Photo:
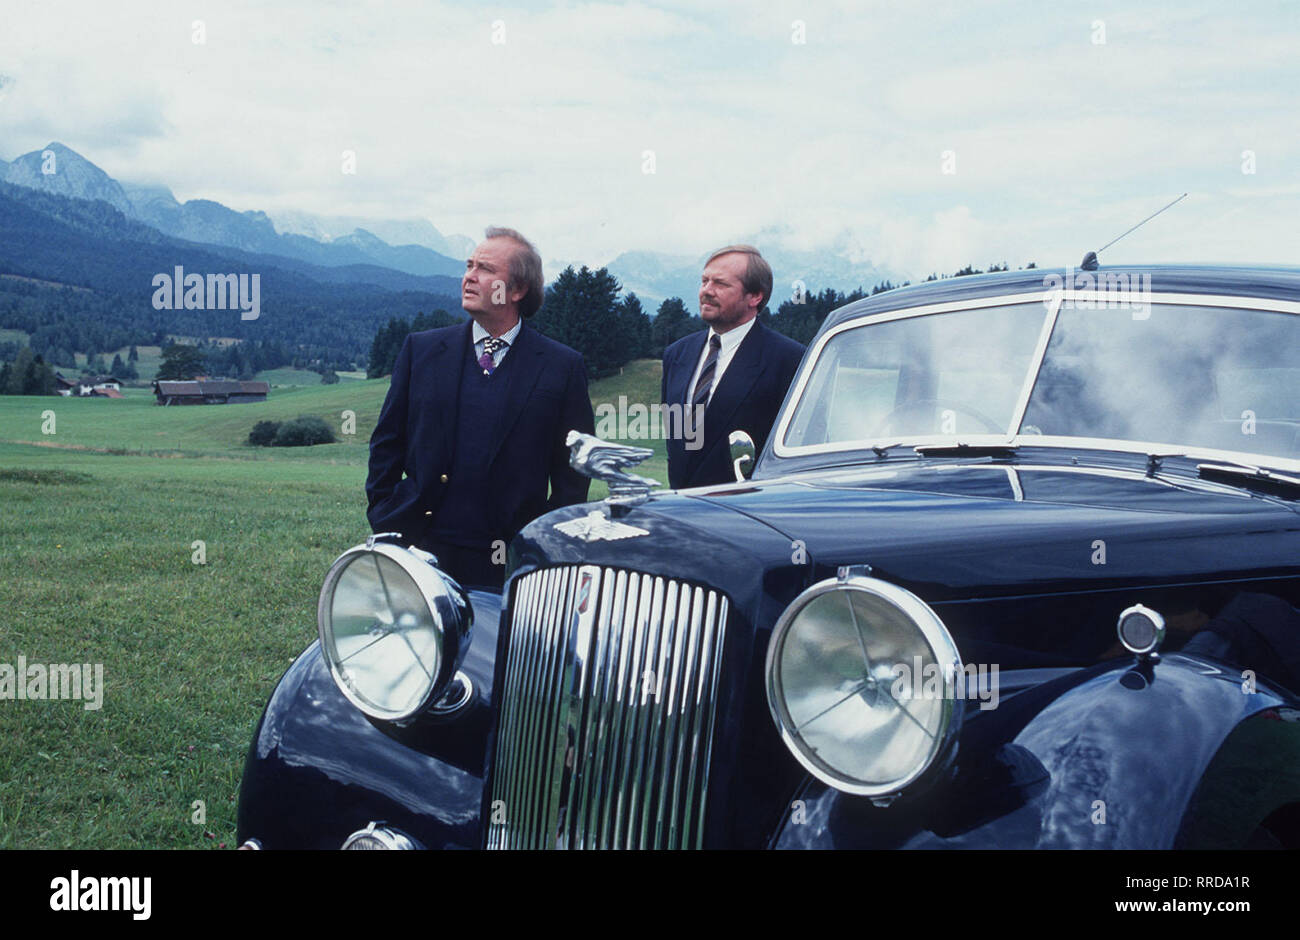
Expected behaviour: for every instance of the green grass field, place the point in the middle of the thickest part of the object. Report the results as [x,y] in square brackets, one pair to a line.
[97,564]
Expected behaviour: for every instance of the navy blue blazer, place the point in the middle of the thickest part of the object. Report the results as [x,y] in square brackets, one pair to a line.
[413,444]
[746,399]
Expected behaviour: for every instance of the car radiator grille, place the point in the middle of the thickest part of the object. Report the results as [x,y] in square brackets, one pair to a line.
[607,711]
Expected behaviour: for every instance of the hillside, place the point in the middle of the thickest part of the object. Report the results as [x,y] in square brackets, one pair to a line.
[74,243]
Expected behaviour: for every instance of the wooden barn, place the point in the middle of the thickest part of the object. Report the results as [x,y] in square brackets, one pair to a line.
[209,392]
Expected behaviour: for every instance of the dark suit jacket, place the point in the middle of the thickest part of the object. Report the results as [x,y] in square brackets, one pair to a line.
[747,399]
[546,397]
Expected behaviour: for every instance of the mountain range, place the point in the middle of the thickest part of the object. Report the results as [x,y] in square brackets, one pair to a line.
[62,171]
[412,246]
[652,276]
[80,275]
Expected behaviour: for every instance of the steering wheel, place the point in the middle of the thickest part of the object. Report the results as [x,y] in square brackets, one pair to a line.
[990,425]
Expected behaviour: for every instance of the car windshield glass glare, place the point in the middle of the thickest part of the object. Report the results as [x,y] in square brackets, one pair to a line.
[1178,376]
[1185,376]
[939,374]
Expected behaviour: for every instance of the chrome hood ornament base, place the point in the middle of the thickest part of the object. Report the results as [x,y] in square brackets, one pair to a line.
[601,460]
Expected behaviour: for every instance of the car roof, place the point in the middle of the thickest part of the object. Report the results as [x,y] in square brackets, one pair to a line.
[1275,283]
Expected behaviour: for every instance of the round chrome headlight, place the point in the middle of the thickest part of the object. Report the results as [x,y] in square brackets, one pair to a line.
[377,837]
[861,679]
[392,628]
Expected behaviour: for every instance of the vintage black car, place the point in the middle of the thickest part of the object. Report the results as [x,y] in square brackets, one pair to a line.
[1019,566]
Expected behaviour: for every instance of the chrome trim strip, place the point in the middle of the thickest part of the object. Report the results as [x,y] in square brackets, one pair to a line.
[643,746]
[1031,376]
[810,360]
[717,628]
[1117,298]
[686,715]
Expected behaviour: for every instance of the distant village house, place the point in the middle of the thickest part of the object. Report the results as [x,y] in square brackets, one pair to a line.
[102,386]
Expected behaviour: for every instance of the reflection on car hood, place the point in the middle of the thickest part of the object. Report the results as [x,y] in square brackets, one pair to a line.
[953,527]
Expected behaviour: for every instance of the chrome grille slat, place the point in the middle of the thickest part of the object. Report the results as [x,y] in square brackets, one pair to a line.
[593,712]
[668,712]
[607,711]
[527,673]
[702,732]
[527,716]
[596,783]
[638,594]
[645,720]
[686,714]
[556,704]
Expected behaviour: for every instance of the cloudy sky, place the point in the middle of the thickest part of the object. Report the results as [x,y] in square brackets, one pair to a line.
[918,135]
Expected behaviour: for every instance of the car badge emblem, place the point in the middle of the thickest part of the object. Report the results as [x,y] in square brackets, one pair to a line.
[595,527]
[584,593]
[601,460]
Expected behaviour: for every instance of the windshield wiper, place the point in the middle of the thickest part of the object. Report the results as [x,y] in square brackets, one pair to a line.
[966,450]
[1255,478]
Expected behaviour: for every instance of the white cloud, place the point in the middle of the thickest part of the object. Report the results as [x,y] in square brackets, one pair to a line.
[835,144]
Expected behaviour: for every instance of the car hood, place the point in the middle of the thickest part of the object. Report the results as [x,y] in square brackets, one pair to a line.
[965,529]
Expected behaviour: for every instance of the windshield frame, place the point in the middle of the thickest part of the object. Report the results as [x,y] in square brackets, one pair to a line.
[1052,302]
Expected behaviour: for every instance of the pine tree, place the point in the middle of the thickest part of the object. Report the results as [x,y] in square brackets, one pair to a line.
[582,311]
[671,323]
[636,327]
[16,380]
[181,362]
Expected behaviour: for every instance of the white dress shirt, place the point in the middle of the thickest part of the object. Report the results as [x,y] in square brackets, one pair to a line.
[731,341]
[480,335]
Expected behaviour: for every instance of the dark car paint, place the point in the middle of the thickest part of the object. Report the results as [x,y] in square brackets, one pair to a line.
[1007,567]
[1050,768]
[345,770]
[1003,560]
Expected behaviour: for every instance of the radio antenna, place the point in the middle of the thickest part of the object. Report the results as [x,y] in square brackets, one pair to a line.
[1090,259]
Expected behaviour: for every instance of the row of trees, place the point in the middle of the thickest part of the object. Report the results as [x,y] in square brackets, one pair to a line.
[584,311]
[388,341]
[28,374]
[236,360]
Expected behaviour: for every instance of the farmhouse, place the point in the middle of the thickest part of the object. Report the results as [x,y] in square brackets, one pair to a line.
[102,386]
[209,392]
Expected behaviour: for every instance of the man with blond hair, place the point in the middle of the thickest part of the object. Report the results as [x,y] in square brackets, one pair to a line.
[736,373]
[472,431]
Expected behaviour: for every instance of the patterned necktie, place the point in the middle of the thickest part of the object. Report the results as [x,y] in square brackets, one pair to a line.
[704,384]
[490,346]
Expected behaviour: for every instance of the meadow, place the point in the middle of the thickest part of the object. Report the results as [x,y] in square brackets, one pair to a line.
[104,523]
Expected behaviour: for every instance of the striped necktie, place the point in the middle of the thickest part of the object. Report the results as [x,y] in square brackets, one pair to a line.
[704,384]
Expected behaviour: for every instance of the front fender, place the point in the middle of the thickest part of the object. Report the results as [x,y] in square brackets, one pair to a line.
[1107,758]
[318,769]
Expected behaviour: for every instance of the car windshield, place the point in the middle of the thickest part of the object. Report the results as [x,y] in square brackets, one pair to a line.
[1173,375]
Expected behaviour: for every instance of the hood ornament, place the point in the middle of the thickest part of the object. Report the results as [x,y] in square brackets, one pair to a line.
[601,460]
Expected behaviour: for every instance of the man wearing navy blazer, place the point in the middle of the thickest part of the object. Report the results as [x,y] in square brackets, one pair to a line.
[473,428]
[737,370]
